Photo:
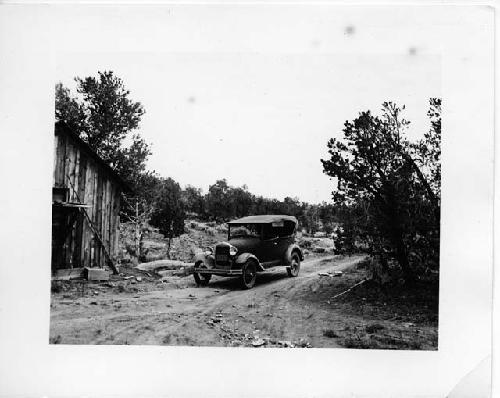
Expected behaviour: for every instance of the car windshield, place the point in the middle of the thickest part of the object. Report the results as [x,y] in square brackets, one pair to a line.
[245,230]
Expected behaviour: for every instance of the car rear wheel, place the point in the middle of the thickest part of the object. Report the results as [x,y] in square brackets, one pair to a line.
[294,268]
[201,279]
[249,274]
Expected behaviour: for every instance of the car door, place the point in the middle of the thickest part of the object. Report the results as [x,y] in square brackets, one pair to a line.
[272,245]
[286,237]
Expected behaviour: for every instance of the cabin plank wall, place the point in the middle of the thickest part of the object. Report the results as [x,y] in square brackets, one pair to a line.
[88,183]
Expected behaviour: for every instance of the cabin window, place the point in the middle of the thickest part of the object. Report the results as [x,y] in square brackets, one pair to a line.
[60,195]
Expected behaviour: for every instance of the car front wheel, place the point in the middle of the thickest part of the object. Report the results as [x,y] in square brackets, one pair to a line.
[294,268]
[249,274]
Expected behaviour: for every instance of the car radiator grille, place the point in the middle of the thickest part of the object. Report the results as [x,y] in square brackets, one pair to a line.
[222,256]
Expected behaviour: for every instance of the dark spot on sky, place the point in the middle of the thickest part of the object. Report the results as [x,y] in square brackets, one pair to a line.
[315,43]
[412,51]
[192,100]
[349,30]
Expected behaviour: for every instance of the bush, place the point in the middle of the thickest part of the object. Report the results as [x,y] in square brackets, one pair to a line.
[374,327]
[330,333]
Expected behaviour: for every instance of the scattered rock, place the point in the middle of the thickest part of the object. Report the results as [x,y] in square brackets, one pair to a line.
[258,342]
[93,303]
[304,343]
[138,278]
[285,343]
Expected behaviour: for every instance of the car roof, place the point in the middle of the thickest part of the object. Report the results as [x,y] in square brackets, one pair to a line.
[263,219]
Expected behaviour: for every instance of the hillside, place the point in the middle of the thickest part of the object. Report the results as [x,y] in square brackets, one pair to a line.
[198,236]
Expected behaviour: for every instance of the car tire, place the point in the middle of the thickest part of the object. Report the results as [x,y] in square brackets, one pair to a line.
[249,274]
[294,268]
[201,279]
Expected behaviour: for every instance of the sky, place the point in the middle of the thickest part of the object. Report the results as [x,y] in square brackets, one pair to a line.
[257,114]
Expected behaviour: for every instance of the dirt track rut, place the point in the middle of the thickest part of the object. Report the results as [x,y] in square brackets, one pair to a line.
[278,311]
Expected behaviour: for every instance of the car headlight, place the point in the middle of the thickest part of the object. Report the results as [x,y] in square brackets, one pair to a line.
[208,251]
[232,251]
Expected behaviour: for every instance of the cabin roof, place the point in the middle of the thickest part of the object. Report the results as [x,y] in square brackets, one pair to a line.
[62,128]
[263,219]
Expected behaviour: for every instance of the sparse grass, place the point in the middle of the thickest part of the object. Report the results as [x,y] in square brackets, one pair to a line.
[166,339]
[121,289]
[55,340]
[374,328]
[381,342]
[417,304]
[56,288]
[378,317]
[358,342]
[330,333]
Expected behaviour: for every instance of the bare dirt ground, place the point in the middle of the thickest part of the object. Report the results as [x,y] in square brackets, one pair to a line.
[278,312]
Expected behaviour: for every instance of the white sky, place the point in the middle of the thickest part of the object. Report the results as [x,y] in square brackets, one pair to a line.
[246,110]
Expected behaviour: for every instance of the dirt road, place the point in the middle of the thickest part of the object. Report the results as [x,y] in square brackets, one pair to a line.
[278,311]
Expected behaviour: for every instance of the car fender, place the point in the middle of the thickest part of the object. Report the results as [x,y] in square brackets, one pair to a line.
[292,248]
[206,259]
[244,257]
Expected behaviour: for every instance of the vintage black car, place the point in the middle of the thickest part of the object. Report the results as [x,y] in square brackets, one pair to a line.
[254,244]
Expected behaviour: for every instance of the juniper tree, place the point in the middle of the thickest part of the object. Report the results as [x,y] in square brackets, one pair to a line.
[395,182]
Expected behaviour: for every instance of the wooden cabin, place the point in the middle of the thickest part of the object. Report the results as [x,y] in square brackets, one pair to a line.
[85,205]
